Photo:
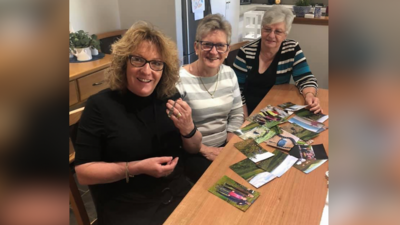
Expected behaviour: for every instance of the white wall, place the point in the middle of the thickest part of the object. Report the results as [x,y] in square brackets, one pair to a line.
[159,13]
[162,14]
[232,15]
[314,41]
[94,16]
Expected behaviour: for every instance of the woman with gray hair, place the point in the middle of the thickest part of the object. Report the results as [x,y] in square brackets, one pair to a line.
[273,59]
[212,91]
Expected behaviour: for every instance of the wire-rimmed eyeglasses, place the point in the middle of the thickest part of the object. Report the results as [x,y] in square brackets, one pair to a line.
[138,61]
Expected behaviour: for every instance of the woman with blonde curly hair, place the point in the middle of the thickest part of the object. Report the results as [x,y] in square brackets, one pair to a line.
[131,135]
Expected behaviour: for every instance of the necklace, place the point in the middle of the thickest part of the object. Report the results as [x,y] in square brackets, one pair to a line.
[216,85]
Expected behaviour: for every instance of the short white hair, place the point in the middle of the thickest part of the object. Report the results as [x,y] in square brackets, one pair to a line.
[277,14]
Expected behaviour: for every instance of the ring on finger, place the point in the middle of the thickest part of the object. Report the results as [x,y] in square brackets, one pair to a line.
[179,115]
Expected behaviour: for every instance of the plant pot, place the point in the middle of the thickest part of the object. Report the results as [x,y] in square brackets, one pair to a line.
[94,51]
[83,54]
[300,11]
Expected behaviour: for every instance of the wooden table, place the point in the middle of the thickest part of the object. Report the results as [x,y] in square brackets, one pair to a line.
[85,79]
[295,198]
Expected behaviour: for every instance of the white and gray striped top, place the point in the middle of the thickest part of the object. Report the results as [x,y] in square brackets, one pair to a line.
[214,117]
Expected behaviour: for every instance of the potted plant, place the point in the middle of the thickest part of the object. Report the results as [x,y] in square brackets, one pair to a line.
[302,7]
[79,44]
[94,44]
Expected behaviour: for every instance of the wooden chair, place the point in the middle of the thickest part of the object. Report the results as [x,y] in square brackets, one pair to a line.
[233,52]
[108,38]
[78,207]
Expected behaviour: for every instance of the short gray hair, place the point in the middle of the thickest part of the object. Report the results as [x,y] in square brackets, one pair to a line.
[277,14]
[211,23]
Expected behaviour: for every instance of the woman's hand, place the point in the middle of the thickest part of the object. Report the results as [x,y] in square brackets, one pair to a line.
[181,115]
[154,166]
[313,103]
[210,152]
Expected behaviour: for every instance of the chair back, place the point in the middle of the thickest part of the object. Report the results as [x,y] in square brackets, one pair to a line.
[234,49]
[108,38]
[77,205]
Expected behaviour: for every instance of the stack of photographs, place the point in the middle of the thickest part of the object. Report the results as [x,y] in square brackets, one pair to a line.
[305,113]
[298,131]
[308,124]
[259,133]
[258,174]
[252,150]
[283,140]
[269,116]
[291,107]
[234,193]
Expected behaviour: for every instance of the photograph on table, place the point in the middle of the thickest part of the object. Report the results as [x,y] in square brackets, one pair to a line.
[308,124]
[283,139]
[299,131]
[278,164]
[291,107]
[252,150]
[269,116]
[309,152]
[305,113]
[253,174]
[259,133]
[310,157]
[234,193]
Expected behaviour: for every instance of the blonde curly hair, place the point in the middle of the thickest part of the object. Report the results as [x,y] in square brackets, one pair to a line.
[130,41]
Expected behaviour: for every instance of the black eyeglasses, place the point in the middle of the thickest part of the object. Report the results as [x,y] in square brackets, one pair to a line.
[208,46]
[138,61]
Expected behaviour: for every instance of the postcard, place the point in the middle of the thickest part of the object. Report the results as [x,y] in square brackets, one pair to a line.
[269,116]
[298,131]
[253,174]
[259,133]
[252,150]
[310,157]
[288,106]
[278,164]
[283,140]
[234,193]
[305,113]
[310,125]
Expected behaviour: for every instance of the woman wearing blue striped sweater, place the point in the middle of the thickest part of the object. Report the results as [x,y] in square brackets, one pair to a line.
[271,60]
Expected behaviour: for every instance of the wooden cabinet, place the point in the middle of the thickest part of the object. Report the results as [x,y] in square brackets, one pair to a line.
[91,84]
[86,79]
[73,93]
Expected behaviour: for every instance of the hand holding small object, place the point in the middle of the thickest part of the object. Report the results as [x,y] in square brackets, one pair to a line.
[154,166]
[181,114]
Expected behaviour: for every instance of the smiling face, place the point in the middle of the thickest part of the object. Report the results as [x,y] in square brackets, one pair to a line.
[143,80]
[273,35]
[212,59]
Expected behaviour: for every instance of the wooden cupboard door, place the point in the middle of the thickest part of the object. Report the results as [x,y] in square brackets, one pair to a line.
[91,84]
[73,93]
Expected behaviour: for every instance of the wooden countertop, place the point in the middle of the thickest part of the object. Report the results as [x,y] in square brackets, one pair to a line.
[324,20]
[77,70]
[294,198]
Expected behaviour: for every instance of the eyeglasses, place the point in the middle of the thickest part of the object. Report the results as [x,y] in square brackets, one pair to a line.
[208,46]
[138,61]
[276,32]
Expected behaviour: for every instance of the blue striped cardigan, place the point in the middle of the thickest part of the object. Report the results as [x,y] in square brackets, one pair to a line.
[291,62]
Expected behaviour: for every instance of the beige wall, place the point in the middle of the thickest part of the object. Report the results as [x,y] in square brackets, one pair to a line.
[314,41]
[94,16]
